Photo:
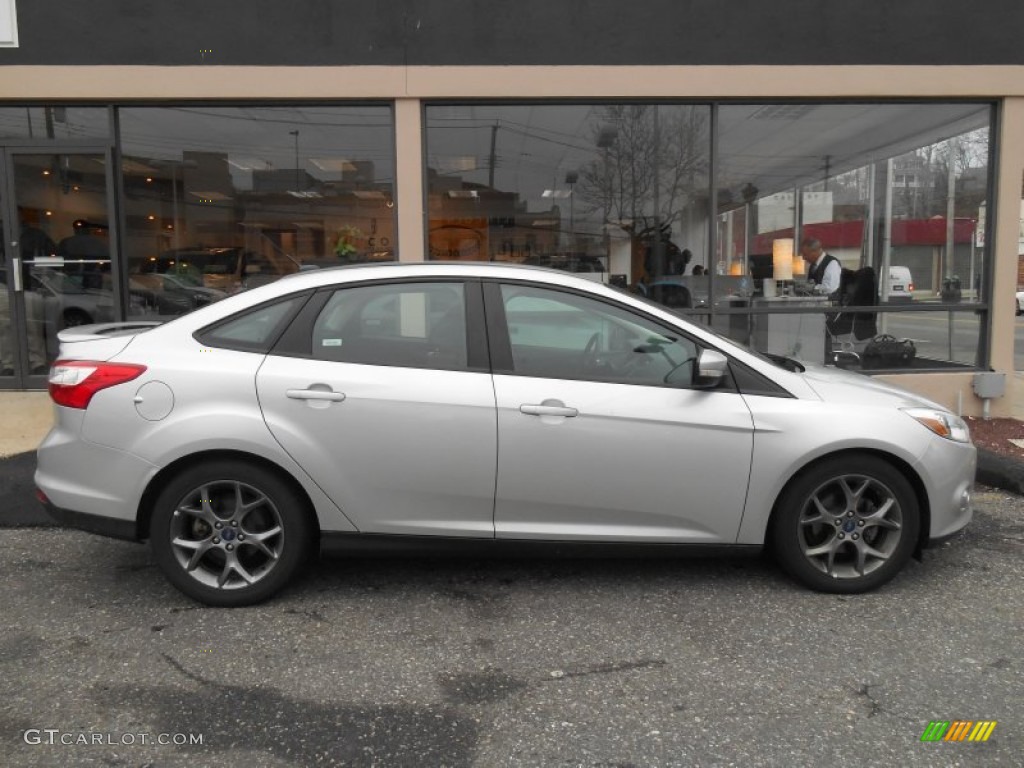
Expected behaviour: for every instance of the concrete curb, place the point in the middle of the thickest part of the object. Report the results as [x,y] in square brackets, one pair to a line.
[1000,472]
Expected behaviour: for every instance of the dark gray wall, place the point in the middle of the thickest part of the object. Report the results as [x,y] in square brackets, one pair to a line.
[453,32]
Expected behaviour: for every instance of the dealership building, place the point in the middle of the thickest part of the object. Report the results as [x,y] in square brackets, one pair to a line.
[157,157]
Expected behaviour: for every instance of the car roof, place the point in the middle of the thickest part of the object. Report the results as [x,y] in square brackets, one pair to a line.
[311,279]
[385,269]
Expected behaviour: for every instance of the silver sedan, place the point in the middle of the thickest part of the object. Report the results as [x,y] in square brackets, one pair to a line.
[481,406]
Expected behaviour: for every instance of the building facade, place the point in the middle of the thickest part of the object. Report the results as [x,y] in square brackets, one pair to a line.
[156,158]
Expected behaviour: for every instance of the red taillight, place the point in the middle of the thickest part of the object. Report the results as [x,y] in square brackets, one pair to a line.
[74,382]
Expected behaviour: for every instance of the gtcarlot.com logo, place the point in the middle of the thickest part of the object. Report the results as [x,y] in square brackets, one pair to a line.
[55,736]
[958,730]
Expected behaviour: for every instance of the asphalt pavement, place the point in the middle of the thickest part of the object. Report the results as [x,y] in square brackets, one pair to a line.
[414,662]
[385,662]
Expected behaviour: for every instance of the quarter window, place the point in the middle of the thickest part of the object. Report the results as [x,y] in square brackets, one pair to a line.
[255,330]
[411,325]
[560,335]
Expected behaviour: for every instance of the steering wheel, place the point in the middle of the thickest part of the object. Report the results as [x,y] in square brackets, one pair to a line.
[677,367]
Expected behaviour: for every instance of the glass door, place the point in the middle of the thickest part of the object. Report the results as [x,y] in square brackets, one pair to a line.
[58,232]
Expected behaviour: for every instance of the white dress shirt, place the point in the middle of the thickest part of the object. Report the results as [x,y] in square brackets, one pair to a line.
[830,280]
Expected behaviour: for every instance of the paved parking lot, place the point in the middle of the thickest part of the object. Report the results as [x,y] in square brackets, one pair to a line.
[506,663]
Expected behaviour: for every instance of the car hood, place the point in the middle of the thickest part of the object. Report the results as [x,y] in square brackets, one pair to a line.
[838,386]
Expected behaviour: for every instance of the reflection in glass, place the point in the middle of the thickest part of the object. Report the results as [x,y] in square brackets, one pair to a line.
[895,192]
[897,187]
[55,122]
[64,250]
[615,192]
[223,199]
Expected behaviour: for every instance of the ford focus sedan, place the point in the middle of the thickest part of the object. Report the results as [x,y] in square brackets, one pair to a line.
[481,406]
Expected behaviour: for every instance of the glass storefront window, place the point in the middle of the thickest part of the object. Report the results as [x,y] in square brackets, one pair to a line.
[218,199]
[894,194]
[897,187]
[48,123]
[616,192]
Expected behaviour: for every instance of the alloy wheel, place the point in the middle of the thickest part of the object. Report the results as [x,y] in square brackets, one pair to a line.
[850,526]
[227,534]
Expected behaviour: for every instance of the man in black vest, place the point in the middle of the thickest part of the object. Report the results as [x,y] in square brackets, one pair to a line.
[823,274]
[823,269]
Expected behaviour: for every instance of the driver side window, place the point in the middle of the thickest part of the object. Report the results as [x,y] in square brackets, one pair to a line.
[557,335]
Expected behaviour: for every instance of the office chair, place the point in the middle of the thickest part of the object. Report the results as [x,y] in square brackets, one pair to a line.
[849,331]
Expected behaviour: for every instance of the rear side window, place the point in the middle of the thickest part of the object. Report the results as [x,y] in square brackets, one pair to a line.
[411,325]
[255,329]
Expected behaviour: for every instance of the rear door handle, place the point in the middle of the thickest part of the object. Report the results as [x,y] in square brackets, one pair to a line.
[315,394]
[548,410]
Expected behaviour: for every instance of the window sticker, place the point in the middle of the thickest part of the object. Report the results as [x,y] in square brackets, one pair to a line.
[331,343]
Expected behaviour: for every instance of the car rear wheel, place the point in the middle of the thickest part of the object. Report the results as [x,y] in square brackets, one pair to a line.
[75,317]
[228,533]
[847,525]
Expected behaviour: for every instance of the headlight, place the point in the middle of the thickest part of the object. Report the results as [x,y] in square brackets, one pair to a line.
[942,423]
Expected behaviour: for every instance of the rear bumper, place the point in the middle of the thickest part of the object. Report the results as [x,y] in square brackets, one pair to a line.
[93,480]
[104,526]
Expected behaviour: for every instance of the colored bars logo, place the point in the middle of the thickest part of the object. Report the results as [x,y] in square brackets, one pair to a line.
[958,730]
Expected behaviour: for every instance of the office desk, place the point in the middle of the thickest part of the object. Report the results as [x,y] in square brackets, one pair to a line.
[801,336]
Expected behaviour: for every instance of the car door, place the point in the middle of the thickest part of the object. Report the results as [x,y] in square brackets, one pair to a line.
[601,435]
[381,395]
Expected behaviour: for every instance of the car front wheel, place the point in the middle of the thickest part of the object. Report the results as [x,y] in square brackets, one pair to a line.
[847,525]
[229,534]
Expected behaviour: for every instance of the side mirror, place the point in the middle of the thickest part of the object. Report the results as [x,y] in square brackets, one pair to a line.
[710,369]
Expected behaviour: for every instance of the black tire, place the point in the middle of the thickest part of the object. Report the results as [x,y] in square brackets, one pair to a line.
[832,538]
[73,318]
[247,504]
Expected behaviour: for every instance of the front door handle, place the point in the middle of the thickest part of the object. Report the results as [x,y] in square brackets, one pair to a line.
[548,409]
[315,394]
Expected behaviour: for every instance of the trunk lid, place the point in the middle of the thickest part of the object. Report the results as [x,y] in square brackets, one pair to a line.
[100,341]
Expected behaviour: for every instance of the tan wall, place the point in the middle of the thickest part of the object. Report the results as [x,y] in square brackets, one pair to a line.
[1006,242]
[696,82]
[955,391]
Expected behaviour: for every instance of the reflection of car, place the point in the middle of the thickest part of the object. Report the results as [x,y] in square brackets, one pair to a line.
[225,269]
[343,404]
[171,294]
[901,285]
[52,301]
[67,303]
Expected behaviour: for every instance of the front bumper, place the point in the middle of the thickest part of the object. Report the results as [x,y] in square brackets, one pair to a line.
[947,469]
